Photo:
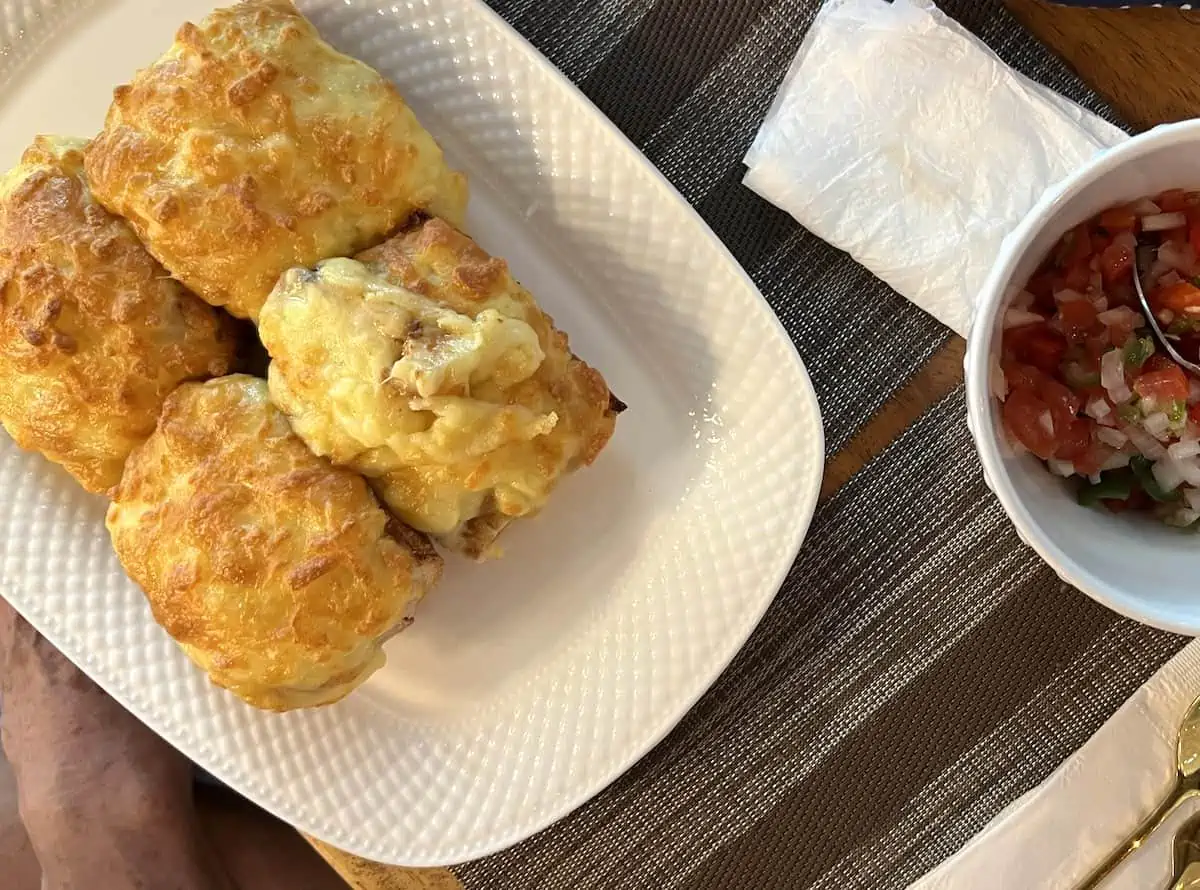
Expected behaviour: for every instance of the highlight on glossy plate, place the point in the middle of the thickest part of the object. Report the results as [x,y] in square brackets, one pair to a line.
[251,181]
[1084,385]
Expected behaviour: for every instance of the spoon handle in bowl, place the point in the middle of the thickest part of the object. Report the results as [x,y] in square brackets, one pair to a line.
[1190,879]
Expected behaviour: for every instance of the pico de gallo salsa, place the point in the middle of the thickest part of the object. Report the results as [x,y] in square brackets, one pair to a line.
[1080,379]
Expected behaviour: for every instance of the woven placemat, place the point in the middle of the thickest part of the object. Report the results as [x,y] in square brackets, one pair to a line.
[920,667]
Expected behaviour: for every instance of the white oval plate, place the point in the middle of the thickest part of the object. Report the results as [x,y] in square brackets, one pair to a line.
[529,684]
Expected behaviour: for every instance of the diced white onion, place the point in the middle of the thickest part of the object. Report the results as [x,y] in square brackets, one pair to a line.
[1183,449]
[1192,495]
[1157,423]
[1190,468]
[1182,518]
[1128,240]
[1016,318]
[1067,295]
[1115,461]
[1110,436]
[997,380]
[1100,303]
[1150,447]
[1120,315]
[1178,256]
[1158,222]
[1193,390]
[1168,474]
[1023,300]
[1112,376]
[1095,283]
[1047,422]
[1170,278]
[1098,409]
[1166,316]
[1144,207]
[1062,468]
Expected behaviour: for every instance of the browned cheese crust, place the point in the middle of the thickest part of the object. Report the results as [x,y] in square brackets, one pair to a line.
[428,368]
[277,573]
[93,332]
[253,146]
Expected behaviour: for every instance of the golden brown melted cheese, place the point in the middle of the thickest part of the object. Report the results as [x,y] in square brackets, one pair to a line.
[253,146]
[426,367]
[93,332]
[277,573]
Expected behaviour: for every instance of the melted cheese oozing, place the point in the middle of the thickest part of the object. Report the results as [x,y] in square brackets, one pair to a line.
[409,391]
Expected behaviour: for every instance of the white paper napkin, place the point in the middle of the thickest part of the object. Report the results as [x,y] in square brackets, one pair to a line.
[902,139]
[1057,833]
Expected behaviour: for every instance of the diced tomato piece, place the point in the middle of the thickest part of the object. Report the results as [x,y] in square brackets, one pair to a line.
[1194,236]
[1062,402]
[1139,500]
[1036,344]
[1118,219]
[1172,201]
[1163,387]
[1093,458]
[1077,317]
[1121,293]
[1098,343]
[1115,506]
[1194,413]
[1119,333]
[1077,277]
[1024,415]
[1075,248]
[1178,297]
[1042,288]
[1022,376]
[1116,261]
[1074,440]
[1157,362]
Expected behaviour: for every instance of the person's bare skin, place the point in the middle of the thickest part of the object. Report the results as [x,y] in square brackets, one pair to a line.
[109,806]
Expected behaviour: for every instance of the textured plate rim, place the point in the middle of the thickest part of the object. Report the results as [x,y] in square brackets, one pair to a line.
[804,393]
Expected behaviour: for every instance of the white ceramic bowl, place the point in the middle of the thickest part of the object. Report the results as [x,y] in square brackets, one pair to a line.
[1132,564]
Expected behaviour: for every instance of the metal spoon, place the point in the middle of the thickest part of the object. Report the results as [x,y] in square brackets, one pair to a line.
[1185,854]
[1186,785]
[1159,335]
[1190,879]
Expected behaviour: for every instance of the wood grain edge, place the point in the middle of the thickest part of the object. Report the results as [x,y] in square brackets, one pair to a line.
[1140,60]
[936,379]
[362,874]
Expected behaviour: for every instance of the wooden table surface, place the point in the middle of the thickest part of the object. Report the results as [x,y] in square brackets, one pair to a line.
[1145,62]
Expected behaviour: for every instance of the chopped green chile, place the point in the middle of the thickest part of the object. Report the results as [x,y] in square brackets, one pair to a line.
[1137,351]
[1184,325]
[1129,412]
[1075,374]
[1114,485]
[1145,477]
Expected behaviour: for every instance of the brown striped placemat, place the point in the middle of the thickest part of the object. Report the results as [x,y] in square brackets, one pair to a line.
[920,667]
